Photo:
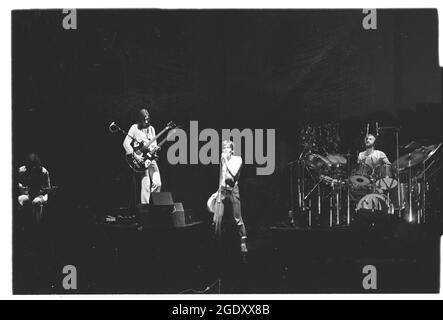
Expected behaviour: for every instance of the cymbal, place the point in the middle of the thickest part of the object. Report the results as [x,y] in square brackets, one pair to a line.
[416,157]
[418,143]
[411,145]
[437,147]
[337,159]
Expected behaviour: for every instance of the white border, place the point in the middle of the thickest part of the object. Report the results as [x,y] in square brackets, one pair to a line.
[5,124]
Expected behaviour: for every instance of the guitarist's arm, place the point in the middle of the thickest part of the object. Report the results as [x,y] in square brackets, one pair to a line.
[23,188]
[46,181]
[127,142]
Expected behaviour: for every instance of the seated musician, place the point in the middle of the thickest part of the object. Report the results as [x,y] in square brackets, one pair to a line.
[371,156]
[33,183]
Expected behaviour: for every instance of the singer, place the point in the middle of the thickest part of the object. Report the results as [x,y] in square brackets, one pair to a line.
[371,156]
[229,192]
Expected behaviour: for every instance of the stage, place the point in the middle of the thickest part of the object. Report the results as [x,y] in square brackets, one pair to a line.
[282,259]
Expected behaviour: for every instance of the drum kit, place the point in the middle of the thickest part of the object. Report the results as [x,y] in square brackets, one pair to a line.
[334,188]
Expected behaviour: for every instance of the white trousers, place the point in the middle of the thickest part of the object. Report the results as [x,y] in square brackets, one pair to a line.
[40,200]
[37,205]
[151,182]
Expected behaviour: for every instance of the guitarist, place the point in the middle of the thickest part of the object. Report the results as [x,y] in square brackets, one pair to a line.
[33,180]
[143,131]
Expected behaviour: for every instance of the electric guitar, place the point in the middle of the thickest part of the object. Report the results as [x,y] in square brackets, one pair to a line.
[144,149]
[148,154]
[38,192]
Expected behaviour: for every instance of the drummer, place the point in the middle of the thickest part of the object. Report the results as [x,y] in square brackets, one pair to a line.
[371,156]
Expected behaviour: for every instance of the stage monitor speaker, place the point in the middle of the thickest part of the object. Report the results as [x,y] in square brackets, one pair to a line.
[162,199]
[178,215]
[159,211]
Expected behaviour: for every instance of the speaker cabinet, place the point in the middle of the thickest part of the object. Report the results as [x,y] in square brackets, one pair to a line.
[162,199]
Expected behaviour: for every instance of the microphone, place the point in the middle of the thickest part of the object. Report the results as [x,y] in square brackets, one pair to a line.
[113,127]
[367,130]
[377,129]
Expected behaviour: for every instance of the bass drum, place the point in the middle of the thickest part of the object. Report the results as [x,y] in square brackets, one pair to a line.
[358,192]
[375,203]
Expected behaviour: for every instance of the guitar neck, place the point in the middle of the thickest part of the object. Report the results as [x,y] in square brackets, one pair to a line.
[145,147]
[167,137]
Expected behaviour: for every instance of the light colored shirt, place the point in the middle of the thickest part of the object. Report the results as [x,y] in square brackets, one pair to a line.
[373,159]
[143,135]
[226,175]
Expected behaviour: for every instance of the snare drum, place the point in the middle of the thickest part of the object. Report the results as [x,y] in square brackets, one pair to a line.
[361,176]
[386,179]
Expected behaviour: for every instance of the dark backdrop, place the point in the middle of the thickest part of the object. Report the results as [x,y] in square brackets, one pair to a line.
[227,69]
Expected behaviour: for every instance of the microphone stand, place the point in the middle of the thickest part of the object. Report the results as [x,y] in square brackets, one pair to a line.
[115,128]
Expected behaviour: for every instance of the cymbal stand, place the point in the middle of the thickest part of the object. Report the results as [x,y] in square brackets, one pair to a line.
[319,202]
[300,169]
[410,189]
[318,187]
[425,189]
[348,191]
[397,146]
[301,187]
[313,189]
[291,191]
[337,204]
[331,197]
[305,196]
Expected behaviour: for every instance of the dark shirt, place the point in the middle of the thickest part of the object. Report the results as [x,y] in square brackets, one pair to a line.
[33,182]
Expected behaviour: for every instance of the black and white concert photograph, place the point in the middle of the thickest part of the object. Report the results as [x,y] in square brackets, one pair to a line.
[226,151]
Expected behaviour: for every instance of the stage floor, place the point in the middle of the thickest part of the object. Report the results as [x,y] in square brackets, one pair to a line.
[282,259]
